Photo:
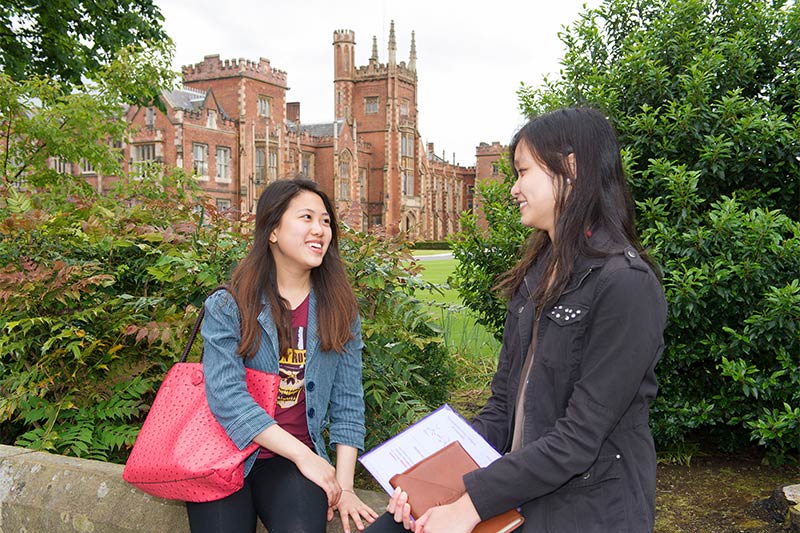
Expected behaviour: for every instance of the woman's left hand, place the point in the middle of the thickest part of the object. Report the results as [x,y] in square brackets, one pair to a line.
[459,516]
[351,506]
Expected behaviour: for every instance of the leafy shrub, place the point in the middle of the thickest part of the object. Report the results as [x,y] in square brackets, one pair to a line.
[733,342]
[98,292]
[407,370]
[95,300]
[704,97]
[484,255]
[431,245]
[709,84]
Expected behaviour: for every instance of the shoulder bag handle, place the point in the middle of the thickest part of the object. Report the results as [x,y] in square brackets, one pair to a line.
[198,322]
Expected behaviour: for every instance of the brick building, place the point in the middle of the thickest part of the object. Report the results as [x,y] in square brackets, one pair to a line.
[487,168]
[230,125]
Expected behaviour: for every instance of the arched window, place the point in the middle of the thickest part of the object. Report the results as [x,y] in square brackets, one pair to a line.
[344,175]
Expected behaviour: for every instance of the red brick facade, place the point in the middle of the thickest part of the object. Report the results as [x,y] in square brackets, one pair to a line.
[487,168]
[231,127]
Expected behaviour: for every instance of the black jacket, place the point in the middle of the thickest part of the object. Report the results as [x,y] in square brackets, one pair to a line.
[587,462]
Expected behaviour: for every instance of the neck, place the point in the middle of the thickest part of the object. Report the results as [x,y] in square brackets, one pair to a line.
[294,286]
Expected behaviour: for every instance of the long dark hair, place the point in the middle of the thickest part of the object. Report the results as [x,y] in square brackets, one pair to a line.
[255,277]
[580,150]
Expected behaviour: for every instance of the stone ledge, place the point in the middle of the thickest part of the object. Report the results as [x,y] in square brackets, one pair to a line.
[45,492]
[783,506]
[792,495]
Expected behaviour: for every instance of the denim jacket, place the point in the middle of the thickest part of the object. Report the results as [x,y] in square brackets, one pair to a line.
[334,395]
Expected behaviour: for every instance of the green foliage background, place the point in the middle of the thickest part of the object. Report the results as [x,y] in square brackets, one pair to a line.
[67,41]
[98,292]
[706,99]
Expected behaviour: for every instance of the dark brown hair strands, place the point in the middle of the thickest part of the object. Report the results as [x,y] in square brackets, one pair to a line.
[255,278]
[580,145]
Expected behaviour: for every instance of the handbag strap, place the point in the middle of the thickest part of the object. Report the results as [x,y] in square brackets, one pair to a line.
[197,324]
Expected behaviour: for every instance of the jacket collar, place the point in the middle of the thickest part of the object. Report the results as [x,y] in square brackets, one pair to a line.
[600,239]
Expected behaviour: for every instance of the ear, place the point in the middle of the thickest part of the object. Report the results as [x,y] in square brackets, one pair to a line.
[273,237]
[573,169]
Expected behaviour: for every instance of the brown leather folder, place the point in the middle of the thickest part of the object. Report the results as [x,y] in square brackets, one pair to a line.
[437,480]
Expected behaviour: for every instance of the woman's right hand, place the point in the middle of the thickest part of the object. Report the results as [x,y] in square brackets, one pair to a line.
[312,466]
[400,508]
[321,473]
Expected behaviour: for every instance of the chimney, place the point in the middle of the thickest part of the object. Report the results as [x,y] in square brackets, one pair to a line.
[293,111]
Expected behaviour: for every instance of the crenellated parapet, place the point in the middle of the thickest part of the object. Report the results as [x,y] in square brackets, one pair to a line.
[212,67]
[489,149]
[344,36]
[381,70]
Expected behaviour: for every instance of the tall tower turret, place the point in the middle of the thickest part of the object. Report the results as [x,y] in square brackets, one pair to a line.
[344,43]
[374,57]
[412,59]
[392,45]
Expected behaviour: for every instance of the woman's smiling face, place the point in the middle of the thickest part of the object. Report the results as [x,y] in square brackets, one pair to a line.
[534,191]
[303,235]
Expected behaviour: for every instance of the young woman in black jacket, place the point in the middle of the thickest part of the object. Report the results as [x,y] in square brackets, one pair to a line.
[570,399]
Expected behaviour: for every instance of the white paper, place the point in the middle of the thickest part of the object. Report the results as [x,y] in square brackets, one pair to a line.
[420,440]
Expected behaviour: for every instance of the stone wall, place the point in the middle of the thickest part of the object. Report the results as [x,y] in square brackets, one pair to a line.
[41,492]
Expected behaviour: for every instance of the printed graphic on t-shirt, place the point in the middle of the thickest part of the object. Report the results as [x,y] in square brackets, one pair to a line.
[293,370]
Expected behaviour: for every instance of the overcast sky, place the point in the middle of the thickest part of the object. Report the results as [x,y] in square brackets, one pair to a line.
[471,56]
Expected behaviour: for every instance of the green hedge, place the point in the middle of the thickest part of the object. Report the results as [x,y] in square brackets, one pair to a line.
[431,245]
[97,294]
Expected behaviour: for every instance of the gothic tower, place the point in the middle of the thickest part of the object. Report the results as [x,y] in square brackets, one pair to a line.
[344,43]
[379,101]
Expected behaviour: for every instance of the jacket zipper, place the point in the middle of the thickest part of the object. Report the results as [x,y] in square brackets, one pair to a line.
[534,342]
[580,281]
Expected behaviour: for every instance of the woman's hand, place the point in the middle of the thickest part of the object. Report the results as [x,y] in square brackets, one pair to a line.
[459,516]
[351,506]
[399,507]
[312,466]
[321,473]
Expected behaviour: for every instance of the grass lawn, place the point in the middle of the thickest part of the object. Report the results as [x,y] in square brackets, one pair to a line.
[420,253]
[474,349]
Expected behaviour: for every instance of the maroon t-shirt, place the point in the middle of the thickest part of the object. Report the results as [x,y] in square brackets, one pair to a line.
[290,413]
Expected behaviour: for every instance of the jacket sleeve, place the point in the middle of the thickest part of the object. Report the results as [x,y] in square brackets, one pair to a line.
[347,395]
[226,388]
[625,339]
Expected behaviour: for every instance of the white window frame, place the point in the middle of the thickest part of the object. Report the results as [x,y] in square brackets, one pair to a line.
[264,106]
[260,164]
[223,164]
[150,117]
[272,164]
[307,164]
[344,179]
[371,104]
[200,160]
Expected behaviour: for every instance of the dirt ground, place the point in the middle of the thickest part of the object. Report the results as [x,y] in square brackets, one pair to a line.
[720,494]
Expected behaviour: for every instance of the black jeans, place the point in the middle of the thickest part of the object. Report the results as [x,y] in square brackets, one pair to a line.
[274,491]
[385,524]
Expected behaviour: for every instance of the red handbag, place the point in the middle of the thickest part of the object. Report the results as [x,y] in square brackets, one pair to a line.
[182,452]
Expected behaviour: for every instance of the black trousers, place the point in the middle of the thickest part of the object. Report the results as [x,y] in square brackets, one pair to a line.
[274,491]
[385,524]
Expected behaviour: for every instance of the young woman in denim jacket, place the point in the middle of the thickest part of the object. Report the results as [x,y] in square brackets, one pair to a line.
[296,315]
[584,330]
